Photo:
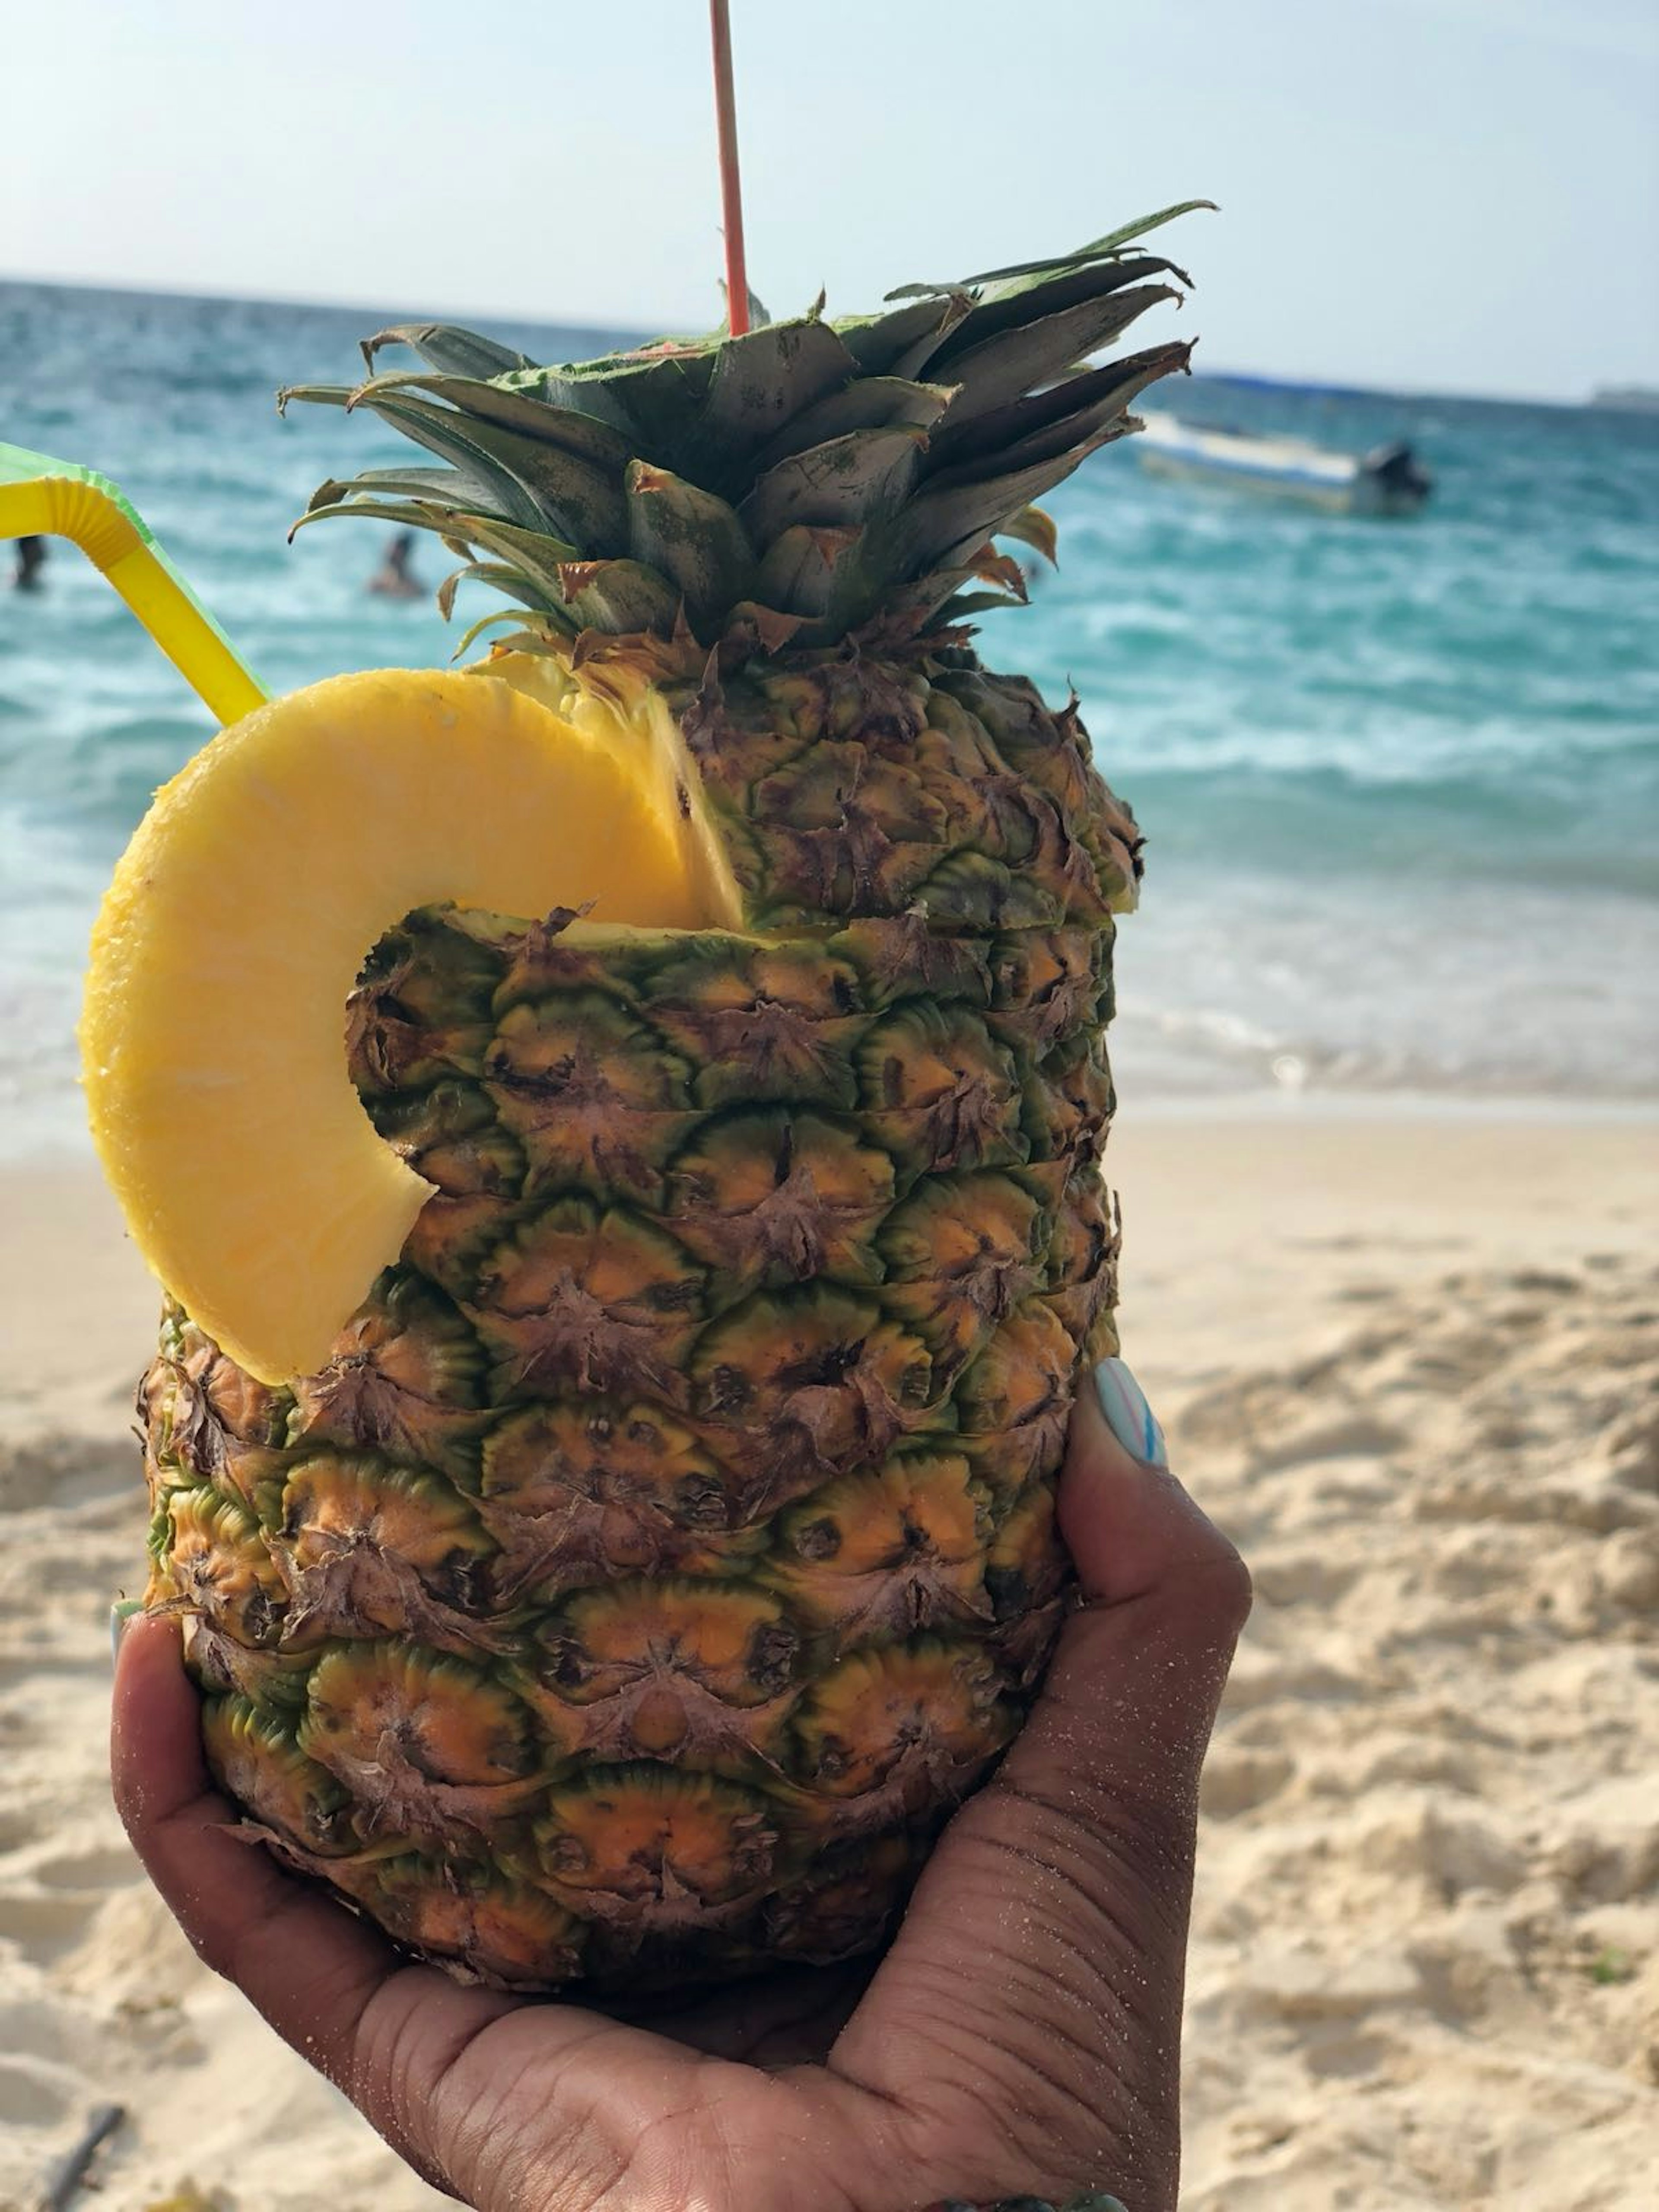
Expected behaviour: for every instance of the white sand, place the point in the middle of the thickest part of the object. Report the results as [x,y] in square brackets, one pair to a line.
[1410,1366]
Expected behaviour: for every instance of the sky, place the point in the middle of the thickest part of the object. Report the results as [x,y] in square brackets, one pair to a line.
[1445,195]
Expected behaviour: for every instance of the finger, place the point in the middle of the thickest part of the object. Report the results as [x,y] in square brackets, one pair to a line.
[1039,1969]
[1157,1576]
[304,1960]
[330,1985]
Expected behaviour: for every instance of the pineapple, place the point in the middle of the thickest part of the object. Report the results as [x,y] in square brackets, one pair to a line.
[610,1498]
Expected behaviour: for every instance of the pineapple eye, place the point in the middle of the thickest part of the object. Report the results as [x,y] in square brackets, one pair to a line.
[818,1540]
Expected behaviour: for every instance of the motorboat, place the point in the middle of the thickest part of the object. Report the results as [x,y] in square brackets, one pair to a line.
[1388,480]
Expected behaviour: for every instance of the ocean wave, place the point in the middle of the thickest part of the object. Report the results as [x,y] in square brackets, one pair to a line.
[1399,782]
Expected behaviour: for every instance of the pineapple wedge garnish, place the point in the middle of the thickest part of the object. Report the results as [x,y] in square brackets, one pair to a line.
[213,1036]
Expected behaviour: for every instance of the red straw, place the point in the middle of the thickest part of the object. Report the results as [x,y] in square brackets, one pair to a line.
[726,113]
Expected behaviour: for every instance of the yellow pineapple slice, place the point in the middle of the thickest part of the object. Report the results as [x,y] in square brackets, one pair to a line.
[213,1036]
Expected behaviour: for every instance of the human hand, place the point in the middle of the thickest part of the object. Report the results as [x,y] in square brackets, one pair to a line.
[1021,2036]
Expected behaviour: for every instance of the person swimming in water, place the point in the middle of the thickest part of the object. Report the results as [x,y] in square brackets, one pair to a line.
[392,579]
[31,559]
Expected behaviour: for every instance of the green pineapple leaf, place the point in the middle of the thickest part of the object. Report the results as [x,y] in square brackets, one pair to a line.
[1032,526]
[799,573]
[513,410]
[502,578]
[846,480]
[448,523]
[1069,413]
[1026,304]
[761,382]
[690,536]
[444,485]
[619,595]
[881,342]
[1000,368]
[872,403]
[450,350]
[1098,249]
[549,487]
[493,621]
[654,397]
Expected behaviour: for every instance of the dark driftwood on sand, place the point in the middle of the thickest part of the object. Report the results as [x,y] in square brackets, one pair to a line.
[63,2184]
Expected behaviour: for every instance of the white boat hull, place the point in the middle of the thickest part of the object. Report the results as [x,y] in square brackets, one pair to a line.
[1281,468]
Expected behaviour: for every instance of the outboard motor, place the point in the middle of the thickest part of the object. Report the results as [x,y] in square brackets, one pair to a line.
[1398,475]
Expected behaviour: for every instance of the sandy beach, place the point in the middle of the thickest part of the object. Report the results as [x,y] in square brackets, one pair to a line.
[1409,1363]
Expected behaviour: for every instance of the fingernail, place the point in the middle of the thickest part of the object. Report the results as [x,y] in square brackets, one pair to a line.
[119,1614]
[1131,1420]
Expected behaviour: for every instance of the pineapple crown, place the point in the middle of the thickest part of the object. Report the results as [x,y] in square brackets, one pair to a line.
[807,482]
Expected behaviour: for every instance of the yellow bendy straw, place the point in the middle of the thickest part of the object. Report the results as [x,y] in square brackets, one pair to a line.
[42,498]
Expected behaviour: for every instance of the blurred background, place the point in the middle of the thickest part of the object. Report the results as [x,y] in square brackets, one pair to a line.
[1397,774]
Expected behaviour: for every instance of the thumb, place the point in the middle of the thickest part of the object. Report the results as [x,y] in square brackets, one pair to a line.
[1140,1669]
[1058,2021]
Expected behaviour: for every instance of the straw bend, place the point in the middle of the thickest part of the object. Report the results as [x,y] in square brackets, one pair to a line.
[43,498]
[81,508]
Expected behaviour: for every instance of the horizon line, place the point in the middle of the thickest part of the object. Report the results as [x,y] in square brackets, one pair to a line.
[1276,378]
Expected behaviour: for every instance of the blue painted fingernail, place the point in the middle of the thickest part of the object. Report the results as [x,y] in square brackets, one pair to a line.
[119,1614]
[1132,1420]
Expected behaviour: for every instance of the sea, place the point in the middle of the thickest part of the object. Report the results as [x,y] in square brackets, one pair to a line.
[1398,779]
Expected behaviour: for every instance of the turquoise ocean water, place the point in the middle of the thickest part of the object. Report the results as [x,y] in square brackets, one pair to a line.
[1400,781]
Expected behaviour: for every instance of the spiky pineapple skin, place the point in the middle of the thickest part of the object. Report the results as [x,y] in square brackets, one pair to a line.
[669,1546]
